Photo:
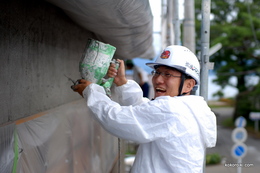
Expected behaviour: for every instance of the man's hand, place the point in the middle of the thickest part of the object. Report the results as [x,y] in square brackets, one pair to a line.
[81,86]
[117,74]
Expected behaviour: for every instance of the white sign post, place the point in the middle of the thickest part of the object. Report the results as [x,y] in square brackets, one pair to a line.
[239,151]
[239,135]
[255,116]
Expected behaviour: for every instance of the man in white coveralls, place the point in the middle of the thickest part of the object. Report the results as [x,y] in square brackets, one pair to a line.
[174,129]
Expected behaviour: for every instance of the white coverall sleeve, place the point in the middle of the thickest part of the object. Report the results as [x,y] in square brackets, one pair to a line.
[137,123]
[130,94]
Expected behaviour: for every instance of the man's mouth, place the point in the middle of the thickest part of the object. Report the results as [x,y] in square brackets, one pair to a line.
[160,90]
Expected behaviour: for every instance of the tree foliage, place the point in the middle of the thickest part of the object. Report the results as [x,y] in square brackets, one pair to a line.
[236,25]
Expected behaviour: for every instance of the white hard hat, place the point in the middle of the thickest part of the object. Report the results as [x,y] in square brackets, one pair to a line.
[180,58]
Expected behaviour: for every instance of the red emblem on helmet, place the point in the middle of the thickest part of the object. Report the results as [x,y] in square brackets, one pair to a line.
[165,54]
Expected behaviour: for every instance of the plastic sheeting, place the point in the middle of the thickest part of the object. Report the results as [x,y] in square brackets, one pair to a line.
[125,24]
[65,139]
[6,148]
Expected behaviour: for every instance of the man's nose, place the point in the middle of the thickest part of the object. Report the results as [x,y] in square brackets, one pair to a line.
[159,79]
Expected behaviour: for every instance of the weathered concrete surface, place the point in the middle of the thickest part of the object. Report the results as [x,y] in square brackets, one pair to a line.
[38,45]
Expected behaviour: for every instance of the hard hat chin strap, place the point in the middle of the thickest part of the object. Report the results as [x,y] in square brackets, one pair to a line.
[183,78]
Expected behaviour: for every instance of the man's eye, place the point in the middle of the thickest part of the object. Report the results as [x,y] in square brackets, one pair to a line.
[167,75]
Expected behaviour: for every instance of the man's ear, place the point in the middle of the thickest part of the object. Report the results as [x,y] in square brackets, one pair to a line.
[188,85]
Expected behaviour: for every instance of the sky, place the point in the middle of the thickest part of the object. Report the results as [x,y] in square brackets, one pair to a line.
[212,88]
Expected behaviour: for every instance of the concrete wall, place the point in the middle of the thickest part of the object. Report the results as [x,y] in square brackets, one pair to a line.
[38,45]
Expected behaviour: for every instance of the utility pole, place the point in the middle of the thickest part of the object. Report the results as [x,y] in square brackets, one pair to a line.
[204,54]
[189,26]
[204,58]
[164,28]
[170,23]
[170,31]
[176,22]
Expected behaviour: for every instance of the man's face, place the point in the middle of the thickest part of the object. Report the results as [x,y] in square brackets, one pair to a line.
[166,86]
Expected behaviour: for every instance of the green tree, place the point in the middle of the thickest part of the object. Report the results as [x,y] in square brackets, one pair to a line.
[236,25]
